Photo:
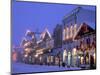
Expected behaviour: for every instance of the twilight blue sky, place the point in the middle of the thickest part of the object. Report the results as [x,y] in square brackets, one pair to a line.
[38,16]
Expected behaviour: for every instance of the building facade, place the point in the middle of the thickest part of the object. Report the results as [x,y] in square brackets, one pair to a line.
[72,44]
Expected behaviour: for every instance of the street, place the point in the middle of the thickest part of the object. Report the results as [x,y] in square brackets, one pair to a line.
[24,68]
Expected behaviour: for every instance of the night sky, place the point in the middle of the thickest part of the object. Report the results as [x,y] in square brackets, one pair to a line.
[38,16]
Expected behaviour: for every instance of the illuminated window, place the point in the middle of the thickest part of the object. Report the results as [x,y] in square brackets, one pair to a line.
[64,55]
[67,32]
[71,31]
[75,29]
[74,51]
[64,34]
[28,49]
[51,58]
[82,60]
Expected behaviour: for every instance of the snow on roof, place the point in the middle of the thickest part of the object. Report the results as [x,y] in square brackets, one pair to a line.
[44,33]
[27,32]
[30,33]
[23,41]
[79,28]
[48,33]
[77,31]
[39,41]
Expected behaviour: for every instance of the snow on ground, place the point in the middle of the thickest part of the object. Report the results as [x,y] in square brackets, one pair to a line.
[24,68]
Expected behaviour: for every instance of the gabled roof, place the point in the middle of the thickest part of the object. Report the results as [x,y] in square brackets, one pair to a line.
[83,30]
[30,33]
[39,41]
[27,32]
[79,15]
[23,41]
[43,34]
